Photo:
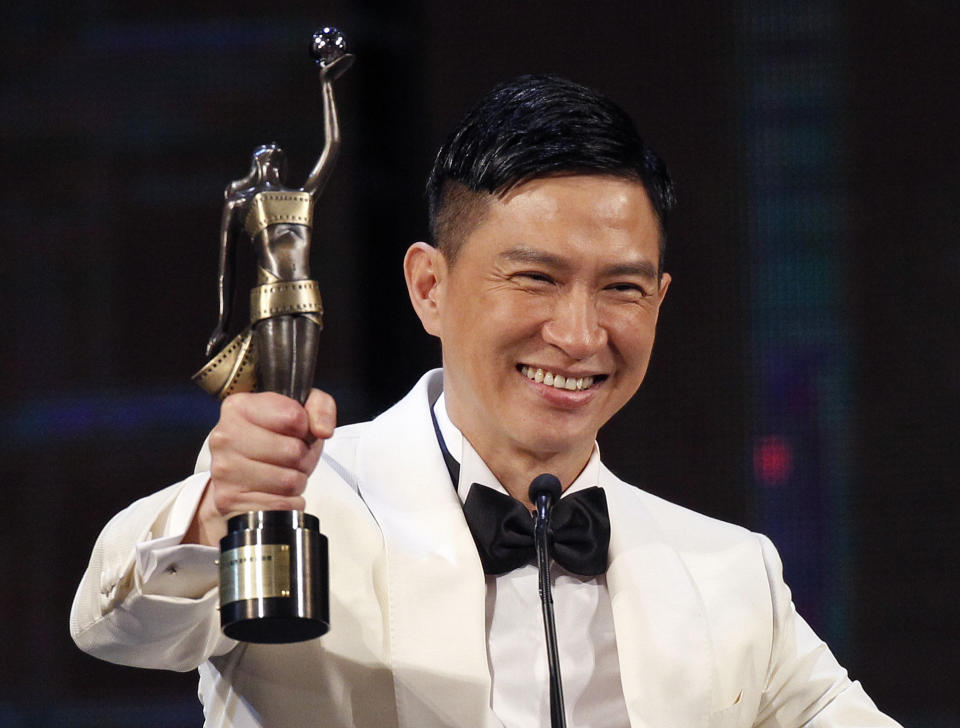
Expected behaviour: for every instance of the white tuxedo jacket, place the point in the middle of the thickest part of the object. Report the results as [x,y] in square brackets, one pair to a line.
[707,635]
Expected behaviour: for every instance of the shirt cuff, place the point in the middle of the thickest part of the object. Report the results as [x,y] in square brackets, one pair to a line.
[167,567]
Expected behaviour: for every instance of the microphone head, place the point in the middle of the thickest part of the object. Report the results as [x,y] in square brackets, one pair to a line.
[547,484]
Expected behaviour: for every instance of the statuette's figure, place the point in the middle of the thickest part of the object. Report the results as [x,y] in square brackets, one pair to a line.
[278,351]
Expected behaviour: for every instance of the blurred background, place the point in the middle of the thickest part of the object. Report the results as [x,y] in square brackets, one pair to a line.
[806,381]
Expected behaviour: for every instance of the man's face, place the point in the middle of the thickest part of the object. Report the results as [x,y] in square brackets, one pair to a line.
[559,280]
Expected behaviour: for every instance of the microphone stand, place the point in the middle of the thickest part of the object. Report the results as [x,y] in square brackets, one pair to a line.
[544,490]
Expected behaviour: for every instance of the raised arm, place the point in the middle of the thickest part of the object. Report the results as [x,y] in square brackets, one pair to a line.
[329,50]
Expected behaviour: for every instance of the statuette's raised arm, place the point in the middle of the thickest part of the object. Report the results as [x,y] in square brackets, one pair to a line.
[329,49]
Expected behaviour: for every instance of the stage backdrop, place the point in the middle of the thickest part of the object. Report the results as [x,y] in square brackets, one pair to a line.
[806,381]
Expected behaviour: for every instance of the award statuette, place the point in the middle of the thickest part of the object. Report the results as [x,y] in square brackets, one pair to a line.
[273,564]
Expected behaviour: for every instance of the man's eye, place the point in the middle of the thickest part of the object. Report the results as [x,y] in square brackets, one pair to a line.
[628,288]
[535,276]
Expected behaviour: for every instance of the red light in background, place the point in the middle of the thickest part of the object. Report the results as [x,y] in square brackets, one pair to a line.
[772,460]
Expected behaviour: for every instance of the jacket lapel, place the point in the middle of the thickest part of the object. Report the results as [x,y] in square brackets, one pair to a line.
[663,641]
[435,592]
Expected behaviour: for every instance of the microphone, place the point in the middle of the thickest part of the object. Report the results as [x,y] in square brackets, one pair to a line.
[544,492]
[545,489]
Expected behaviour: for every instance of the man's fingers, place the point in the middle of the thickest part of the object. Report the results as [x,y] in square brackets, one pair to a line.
[322,413]
[259,445]
[268,410]
[264,448]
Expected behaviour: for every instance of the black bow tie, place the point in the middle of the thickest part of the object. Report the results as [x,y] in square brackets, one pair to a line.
[503,530]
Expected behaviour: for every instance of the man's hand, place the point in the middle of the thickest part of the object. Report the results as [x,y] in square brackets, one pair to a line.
[262,451]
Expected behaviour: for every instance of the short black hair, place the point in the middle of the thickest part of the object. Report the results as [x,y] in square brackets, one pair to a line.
[537,126]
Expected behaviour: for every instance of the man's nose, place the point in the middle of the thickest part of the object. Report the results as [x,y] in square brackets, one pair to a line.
[574,325]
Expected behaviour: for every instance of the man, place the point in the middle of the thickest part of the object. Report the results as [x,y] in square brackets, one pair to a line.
[544,288]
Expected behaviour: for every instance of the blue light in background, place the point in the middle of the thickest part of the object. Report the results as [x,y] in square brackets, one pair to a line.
[76,416]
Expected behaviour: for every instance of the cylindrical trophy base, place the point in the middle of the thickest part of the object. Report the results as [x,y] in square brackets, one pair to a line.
[273,578]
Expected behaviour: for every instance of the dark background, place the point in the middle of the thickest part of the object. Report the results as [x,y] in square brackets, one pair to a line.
[806,381]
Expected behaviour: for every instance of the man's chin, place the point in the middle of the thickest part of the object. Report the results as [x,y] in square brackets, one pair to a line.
[549,441]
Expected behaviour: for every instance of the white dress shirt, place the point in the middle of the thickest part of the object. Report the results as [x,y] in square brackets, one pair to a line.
[516,645]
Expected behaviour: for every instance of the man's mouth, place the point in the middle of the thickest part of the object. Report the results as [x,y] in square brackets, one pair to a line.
[558,381]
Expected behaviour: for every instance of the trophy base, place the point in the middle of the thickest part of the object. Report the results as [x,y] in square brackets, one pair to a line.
[268,621]
[274,578]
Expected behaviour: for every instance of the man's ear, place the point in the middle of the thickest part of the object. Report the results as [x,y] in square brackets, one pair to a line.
[425,270]
[665,279]
[662,291]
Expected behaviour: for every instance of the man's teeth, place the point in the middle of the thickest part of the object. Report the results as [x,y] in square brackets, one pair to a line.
[556,380]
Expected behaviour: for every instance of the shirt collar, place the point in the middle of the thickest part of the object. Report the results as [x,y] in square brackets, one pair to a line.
[474,470]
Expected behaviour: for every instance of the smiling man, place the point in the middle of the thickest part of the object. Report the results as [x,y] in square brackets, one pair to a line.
[543,283]
[547,316]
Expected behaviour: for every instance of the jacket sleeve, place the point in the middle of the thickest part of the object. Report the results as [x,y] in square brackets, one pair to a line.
[805,686]
[146,601]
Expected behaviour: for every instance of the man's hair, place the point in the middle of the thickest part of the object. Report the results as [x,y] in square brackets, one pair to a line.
[536,126]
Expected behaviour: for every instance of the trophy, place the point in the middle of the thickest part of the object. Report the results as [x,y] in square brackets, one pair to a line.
[273,564]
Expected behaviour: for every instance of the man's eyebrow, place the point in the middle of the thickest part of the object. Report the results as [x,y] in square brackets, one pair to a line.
[526,254]
[642,268]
